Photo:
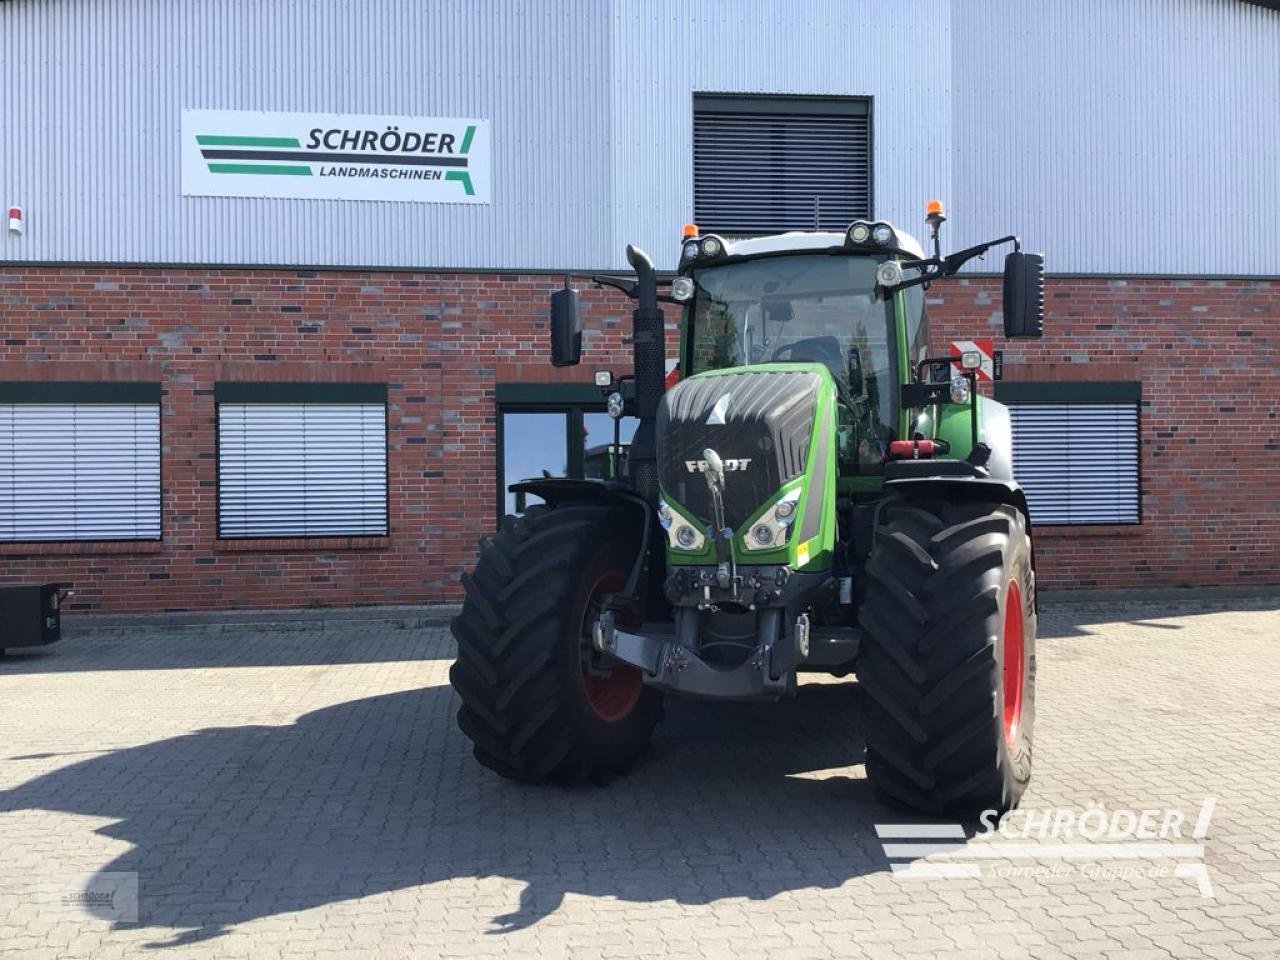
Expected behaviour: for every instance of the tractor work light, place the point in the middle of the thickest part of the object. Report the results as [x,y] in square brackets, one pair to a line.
[682,289]
[859,233]
[604,378]
[889,274]
[712,247]
[615,405]
[882,234]
[971,360]
[691,250]
[960,390]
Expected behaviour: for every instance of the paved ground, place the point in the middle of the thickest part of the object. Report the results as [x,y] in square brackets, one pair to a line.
[305,794]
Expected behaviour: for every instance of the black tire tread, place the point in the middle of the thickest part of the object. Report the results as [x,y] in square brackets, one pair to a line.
[511,674]
[928,655]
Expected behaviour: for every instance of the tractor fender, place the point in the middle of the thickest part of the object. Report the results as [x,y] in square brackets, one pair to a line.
[568,490]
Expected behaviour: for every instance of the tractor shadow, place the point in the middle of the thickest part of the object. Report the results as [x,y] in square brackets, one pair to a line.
[226,825]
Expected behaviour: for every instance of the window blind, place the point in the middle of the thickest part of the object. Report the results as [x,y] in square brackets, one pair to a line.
[761,163]
[302,469]
[79,471]
[1077,462]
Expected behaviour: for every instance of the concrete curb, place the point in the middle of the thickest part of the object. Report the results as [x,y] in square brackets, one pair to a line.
[279,621]
[1164,594]
[418,617]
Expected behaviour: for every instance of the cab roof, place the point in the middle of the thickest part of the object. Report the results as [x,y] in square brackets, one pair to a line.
[800,240]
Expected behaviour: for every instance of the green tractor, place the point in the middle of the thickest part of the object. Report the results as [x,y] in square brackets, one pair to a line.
[816,493]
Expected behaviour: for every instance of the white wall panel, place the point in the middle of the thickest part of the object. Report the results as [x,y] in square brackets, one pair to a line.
[1121,136]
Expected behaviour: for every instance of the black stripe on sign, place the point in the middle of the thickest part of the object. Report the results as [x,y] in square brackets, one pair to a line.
[403,160]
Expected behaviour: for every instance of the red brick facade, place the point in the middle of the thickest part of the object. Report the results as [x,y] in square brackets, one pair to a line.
[1204,350]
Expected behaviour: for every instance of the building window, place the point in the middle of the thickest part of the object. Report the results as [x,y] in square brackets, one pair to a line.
[558,430]
[79,461]
[302,459]
[768,164]
[1075,450]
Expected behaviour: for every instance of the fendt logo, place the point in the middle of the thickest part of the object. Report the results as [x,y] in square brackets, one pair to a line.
[730,466]
[335,156]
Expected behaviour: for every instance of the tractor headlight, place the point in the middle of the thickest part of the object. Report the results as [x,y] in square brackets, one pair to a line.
[859,233]
[882,234]
[682,288]
[770,530]
[615,405]
[712,247]
[691,250]
[959,389]
[681,535]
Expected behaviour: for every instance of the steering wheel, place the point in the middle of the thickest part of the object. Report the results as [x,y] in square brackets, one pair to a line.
[824,350]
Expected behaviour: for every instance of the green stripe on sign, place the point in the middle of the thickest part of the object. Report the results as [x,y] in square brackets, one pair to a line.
[247,141]
[466,139]
[267,168]
[464,179]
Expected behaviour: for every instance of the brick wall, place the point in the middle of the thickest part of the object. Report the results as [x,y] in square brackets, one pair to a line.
[442,340]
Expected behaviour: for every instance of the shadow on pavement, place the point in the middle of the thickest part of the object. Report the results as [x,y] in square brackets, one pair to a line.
[229,824]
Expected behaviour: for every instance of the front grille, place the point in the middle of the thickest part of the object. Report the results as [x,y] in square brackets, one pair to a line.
[768,421]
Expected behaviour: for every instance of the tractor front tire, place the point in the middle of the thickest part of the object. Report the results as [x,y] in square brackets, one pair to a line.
[537,703]
[947,660]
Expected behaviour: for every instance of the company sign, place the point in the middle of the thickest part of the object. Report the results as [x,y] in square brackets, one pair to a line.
[323,156]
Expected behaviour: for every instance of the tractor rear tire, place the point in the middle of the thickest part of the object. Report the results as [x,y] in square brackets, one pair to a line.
[537,703]
[947,660]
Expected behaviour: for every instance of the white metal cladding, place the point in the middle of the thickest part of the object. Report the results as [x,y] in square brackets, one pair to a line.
[302,469]
[1120,136]
[1077,462]
[79,471]
[769,172]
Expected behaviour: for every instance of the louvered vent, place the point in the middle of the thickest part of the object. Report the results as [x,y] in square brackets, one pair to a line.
[767,164]
[1077,462]
[302,469]
[79,471]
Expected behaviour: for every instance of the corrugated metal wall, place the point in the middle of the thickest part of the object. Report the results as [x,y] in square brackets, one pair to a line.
[1122,136]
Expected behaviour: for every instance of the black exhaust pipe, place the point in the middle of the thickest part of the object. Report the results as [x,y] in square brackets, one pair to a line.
[648,342]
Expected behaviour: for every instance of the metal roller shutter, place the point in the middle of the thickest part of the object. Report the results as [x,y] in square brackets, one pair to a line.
[79,471]
[1077,462]
[302,469]
[759,164]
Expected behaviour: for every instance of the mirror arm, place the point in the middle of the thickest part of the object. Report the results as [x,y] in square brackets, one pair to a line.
[952,262]
[618,283]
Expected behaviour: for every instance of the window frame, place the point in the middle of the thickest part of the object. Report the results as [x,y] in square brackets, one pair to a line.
[779,104]
[572,399]
[88,392]
[1083,392]
[298,392]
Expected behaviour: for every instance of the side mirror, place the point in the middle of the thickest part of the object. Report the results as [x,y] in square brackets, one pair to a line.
[856,380]
[566,329]
[1024,294]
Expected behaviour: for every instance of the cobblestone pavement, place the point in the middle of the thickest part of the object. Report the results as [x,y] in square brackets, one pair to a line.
[306,794]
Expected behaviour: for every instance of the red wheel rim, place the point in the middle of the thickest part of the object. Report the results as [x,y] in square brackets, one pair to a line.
[612,696]
[1012,642]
